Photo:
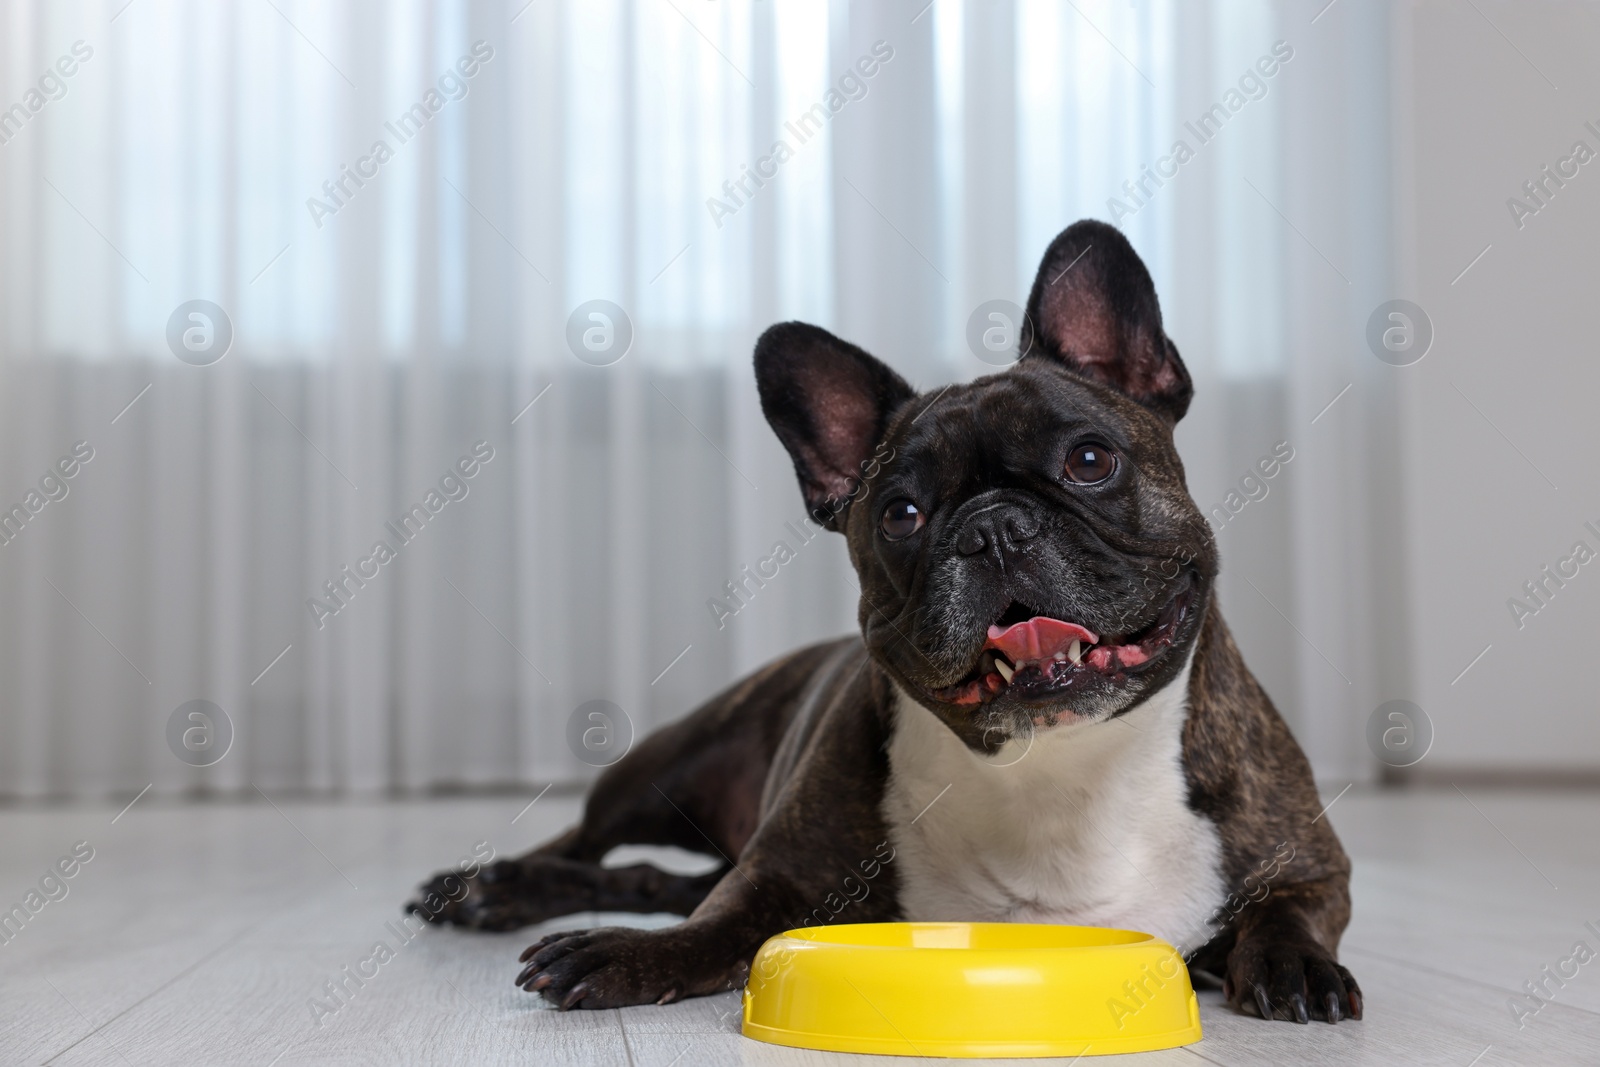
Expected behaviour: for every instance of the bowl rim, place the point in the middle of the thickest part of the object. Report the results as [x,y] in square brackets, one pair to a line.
[1117,938]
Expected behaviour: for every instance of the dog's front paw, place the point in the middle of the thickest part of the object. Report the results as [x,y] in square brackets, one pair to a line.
[1296,980]
[615,966]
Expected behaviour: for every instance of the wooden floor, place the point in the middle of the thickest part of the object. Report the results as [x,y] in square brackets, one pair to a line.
[200,935]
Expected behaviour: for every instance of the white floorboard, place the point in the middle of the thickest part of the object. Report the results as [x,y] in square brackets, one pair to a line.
[199,933]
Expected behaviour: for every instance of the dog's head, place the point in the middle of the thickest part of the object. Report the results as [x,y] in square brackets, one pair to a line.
[1027,549]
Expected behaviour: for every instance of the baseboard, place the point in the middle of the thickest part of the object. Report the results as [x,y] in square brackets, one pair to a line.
[1558,778]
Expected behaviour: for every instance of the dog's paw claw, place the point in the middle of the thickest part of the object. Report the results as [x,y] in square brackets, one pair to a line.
[1293,980]
[614,967]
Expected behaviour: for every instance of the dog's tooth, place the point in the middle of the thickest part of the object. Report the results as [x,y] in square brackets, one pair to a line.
[1005,671]
[1075,652]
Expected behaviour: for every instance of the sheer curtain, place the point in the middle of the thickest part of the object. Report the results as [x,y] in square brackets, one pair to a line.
[404,213]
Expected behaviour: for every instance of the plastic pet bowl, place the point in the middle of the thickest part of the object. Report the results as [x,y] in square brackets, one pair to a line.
[969,990]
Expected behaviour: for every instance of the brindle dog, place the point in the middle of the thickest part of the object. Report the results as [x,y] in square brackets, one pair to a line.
[1044,717]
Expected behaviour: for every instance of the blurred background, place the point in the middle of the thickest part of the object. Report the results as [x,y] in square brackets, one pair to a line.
[369,316]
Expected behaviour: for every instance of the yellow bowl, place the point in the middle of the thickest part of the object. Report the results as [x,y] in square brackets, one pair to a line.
[970,989]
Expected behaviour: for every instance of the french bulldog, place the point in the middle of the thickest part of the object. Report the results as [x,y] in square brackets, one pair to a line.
[1043,719]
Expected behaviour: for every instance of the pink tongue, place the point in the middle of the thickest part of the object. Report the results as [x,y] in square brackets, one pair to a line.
[1038,639]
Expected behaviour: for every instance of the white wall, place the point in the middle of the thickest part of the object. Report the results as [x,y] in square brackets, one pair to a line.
[1499,419]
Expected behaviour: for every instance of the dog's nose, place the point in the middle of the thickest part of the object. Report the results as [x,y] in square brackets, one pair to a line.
[997,531]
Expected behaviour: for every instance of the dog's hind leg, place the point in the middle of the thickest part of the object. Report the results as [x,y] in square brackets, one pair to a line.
[539,886]
[695,784]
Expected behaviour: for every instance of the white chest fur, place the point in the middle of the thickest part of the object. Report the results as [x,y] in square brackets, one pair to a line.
[1089,826]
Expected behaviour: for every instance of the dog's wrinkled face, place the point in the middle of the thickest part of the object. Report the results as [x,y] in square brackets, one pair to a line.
[1030,551]
[1027,549]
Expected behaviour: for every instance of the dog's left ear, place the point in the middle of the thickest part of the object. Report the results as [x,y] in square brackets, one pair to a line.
[1094,308]
[829,403]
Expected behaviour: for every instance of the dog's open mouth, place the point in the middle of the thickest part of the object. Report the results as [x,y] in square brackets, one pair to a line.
[1037,657]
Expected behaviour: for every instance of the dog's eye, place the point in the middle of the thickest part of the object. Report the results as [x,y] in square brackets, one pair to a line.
[1090,462]
[901,519]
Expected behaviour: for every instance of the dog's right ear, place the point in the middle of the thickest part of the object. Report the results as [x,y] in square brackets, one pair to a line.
[1094,310]
[829,403]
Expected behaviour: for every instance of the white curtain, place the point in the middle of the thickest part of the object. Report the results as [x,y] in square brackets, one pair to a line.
[394,309]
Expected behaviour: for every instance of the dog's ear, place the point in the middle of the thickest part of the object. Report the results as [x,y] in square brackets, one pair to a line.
[1094,309]
[829,403]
